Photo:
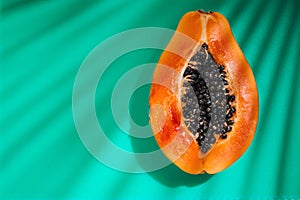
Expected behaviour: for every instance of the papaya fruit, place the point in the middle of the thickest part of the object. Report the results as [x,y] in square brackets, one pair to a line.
[203,98]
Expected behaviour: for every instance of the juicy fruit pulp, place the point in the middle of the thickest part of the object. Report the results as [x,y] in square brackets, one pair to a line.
[203,100]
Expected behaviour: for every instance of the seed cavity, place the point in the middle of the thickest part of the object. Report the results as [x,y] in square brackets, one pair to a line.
[207,100]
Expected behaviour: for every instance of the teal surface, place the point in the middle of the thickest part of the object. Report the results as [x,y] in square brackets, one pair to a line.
[43,44]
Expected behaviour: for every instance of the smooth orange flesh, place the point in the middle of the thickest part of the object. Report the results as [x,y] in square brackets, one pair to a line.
[165,109]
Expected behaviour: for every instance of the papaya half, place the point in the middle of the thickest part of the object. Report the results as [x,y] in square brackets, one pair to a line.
[203,98]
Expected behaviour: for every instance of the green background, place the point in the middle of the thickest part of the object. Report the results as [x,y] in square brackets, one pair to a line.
[43,44]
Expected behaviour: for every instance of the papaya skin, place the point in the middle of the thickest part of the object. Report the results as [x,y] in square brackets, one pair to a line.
[213,29]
